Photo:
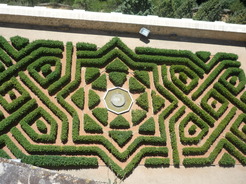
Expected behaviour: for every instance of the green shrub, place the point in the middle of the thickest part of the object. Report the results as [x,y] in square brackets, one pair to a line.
[78,98]
[183,77]
[215,134]
[135,86]
[138,116]
[157,102]
[101,114]
[191,117]
[12,95]
[181,83]
[19,42]
[46,70]
[91,74]
[210,108]
[94,99]
[5,59]
[117,78]
[143,101]
[169,85]
[41,126]
[2,68]
[227,161]
[224,64]
[244,129]
[243,97]
[192,130]
[233,80]
[143,77]
[57,85]
[233,72]
[224,91]
[16,103]
[148,127]
[119,123]
[203,55]
[235,127]
[172,122]
[90,126]
[45,63]
[48,103]
[100,83]
[1,116]
[117,66]
[120,137]
[10,121]
[86,46]
[157,162]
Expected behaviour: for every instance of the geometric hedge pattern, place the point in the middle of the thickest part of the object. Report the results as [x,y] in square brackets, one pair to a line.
[189,108]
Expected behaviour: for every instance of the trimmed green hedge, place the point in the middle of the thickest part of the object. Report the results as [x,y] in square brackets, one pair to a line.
[15,104]
[135,86]
[91,74]
[197,123]
[157,162]
[143,77]
[117,78]
[210,108]
[181,83]
[90,126]
[233,72]
[203,55]
[148,127]
[33,116]
[185,99]
[19,42]
[101,114]
[41,126]
[120,137]
[94,99]
[157,102]
[209,80]
[117,66]
[192,130]
[143,102]
[173,120]
[78,98]
[138,116]
[119,123]
[49,104]
[56,86]
[227,161]
[100,83]
[202,150]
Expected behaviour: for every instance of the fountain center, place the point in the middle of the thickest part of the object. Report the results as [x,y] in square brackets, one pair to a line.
[118,100]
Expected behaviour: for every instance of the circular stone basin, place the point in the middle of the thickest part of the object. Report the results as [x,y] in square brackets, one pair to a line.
[118,100]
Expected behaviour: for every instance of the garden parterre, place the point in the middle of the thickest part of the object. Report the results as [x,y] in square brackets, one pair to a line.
[189,108]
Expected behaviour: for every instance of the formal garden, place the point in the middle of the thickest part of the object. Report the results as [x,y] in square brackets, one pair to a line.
[75,105]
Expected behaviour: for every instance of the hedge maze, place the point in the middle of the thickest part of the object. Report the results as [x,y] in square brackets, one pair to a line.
[188,108]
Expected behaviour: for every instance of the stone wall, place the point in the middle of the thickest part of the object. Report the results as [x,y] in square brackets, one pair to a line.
[80,19]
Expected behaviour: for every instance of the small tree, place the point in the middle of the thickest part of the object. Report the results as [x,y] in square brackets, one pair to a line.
[136,7]
[165,9]
[185,10]
[211,10]
[239,17]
